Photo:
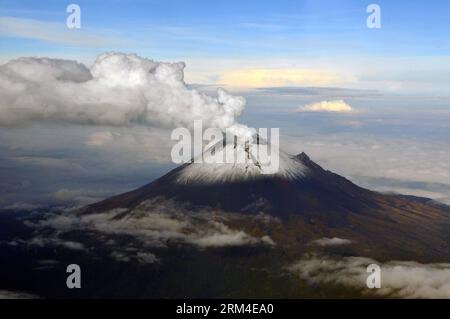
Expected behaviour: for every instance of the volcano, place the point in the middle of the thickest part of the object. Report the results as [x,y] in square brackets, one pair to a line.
[207,230]
[308,203]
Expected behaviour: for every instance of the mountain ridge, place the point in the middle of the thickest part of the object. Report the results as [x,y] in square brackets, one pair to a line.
[317,204]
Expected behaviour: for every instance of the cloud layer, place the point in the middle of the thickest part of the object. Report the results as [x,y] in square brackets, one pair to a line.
[7,294]
[335,241]
[337,106]
[400,279]
[119,89]
[278,77]
[405,165]
[154,224]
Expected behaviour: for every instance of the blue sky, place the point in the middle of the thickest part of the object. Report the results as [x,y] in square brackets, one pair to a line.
[220,40]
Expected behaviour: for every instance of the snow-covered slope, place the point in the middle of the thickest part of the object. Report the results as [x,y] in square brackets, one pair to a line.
[245,161]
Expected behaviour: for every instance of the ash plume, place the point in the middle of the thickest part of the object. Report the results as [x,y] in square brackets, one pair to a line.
[118,89]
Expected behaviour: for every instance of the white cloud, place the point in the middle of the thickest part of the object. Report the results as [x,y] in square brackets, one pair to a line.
[400,279]
[335,241]
[388,74]
[222,236]
[146,258]
[120,256]
[119,89]
[41,241]
[158,222]
[7,294]
[220,240]
[259,78]
[21,206]
[337,106]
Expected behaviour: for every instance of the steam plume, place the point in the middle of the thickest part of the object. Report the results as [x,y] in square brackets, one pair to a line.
[119,89]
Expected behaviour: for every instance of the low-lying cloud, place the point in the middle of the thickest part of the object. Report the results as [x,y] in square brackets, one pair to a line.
[280,77]
[399,279]
[136,236]
[42,241]
[405,165]
[156,223]
[336,106]
[335,241]
[8,294]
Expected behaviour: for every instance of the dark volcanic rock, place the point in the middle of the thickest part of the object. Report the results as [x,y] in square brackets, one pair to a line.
[320,203]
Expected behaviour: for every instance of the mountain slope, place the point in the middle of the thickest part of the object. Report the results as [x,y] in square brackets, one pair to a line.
[310,205]
[316,189]
[237,234]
